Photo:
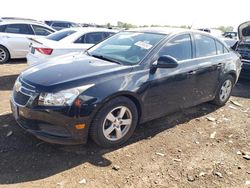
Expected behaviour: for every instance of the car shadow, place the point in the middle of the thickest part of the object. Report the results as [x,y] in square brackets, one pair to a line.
[24,158]
[242,88]
[7,82]
[17,61]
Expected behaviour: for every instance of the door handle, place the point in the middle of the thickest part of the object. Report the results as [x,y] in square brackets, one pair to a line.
[219,65]
[191,72]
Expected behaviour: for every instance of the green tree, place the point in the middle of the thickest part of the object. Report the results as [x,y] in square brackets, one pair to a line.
[225,28]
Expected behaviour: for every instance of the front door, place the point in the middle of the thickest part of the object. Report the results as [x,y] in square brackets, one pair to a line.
[172,89]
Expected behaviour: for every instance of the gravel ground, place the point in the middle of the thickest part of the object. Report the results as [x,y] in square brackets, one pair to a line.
[203,146]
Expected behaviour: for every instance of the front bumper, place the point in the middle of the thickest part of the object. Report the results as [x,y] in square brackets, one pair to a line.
[51,125]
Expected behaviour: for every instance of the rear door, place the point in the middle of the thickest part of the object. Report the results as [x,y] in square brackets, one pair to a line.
[209,58]
[17,38]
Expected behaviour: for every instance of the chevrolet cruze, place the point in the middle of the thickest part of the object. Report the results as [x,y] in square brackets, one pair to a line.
[130,78]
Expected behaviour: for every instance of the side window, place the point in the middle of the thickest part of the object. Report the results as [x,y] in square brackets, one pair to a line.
[93,38]
[80,40]
[108,34]
[59,24]
[220,47]
[180,48]
[19,29]
[39,30]
[205,46]
[2,28]
[225,50]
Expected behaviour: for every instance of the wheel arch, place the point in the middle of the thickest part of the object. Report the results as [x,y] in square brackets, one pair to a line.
[130,95]
[233,74]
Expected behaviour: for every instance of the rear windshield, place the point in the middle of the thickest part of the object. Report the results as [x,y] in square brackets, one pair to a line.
[57,36]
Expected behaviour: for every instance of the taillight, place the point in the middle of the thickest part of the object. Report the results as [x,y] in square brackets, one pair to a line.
[46,51]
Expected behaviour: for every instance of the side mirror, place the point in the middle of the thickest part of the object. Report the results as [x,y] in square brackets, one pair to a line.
[166,62]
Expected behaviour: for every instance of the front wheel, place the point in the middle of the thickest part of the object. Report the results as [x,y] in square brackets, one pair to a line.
[115,122]
[224,91]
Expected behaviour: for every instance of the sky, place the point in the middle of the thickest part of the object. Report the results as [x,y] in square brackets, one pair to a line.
[198,13]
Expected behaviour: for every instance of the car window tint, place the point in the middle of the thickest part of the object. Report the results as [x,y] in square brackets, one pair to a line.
[108,34]
[39,30]
[80,40]
[180,48]
[93,38]
[220,47]
[18,29]
[57,36]
[60,24]
[205,46]
[2,28]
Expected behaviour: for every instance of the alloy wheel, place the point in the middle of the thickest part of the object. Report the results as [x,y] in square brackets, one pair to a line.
[225,90]
[117,123]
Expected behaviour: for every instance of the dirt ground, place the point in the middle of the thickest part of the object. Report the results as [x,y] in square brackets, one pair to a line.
[203,146]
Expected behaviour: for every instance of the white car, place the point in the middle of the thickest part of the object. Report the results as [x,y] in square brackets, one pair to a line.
[65,41]
[14,34]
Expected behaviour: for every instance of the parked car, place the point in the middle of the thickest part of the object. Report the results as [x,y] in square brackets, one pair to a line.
[58,25]
[231,35]
[65,41]
[243,48]
[230,42]
[130,78]
[14,42]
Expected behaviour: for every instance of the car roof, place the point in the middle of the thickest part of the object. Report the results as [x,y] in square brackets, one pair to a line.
[160,30]
[4,22]
[169,31]
[79,31]
[89,29]
[58,21]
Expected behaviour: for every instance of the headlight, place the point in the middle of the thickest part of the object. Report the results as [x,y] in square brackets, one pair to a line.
[61,98]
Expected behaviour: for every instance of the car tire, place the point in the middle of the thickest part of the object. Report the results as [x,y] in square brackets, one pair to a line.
[224,91]
[114,123]
[4,54]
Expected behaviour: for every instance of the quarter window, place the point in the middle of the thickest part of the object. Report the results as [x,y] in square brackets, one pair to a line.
[19,29]
[220,48]
[205,46]
[39,30]
[180,48]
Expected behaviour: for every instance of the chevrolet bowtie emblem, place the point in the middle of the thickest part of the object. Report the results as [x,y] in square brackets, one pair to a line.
[18,86]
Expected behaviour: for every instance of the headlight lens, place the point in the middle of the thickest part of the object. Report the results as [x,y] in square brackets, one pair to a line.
[61,98]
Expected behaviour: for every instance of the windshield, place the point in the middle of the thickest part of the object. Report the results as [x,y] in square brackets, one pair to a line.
[127,48]
[59,35]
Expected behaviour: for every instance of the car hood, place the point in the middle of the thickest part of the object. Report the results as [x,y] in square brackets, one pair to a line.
[68,72]
[244,31]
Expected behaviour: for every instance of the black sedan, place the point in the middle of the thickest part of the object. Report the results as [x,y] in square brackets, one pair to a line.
[132,77]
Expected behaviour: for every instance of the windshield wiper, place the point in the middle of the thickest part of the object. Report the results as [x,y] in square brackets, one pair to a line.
[104,58]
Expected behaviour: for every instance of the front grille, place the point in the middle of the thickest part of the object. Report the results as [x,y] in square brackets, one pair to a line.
[21,98]
[23,92]
[244,51]
[245,54]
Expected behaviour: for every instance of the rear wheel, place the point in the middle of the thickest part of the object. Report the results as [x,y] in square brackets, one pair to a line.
[4,54]
[224,91]
[115,123]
